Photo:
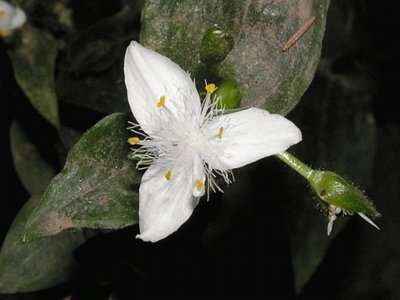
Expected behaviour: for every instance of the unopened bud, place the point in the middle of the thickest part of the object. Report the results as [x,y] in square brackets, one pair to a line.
[215,46]
[228,94]
[335,194]
[340,195]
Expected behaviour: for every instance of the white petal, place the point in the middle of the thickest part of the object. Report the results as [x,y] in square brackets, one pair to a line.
[247,136]
[19,18]
[164,205]
[11,17]
[148,76]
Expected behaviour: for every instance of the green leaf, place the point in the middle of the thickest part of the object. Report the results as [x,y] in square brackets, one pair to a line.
[97,187]
[92,71]
[268,77]
[33,170]
[38,265]
[33,60]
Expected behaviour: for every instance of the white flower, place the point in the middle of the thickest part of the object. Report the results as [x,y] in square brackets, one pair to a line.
[186,143]
[10,18]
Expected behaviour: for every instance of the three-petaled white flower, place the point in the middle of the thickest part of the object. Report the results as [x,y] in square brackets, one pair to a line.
[186,143]
[11,18]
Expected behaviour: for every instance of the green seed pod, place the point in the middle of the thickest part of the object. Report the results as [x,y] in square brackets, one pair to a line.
[228,94]
[338,192]
[215,46]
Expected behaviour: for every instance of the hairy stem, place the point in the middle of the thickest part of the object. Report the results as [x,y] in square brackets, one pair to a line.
[296,164]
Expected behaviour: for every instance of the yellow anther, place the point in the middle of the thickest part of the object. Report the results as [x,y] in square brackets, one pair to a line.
[210,88]
[2,13]
[168,175]
[199,184]
[220,132]
[161,102]
[133,140]
[3,33]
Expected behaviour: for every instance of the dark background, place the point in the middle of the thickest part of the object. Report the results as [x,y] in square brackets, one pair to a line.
[183,265]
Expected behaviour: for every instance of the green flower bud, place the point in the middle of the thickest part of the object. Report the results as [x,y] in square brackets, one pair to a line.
[338,192]
[228,94]
[339,195]
[335,193]
[215,46]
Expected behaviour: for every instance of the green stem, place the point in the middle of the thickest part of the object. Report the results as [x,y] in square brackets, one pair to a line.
[296,164]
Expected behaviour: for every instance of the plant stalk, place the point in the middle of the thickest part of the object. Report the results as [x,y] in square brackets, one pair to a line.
[296,164]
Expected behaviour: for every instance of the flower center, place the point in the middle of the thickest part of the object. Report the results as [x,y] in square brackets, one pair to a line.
[194,140]
[178,144]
